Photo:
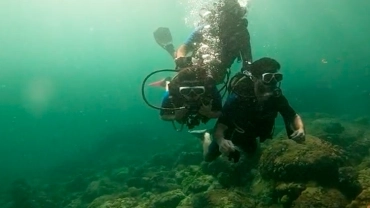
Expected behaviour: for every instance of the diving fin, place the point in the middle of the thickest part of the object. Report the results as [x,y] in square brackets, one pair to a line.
[161,83]
[163,37]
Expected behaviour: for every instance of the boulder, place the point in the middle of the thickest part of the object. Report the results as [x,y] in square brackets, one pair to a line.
[315,159]
[320,197]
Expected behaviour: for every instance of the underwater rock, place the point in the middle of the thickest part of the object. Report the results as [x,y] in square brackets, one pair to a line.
[168,199]
[134,192]
[194,184]
[225,179]
[221,169]
[187,171]
[320,197]
[75,203]
[335,131]
[327,125]
[229,173]
[139,182]
[78,184]
[362,120]
[217,166]
[365,164]
[127,202]
[362,200]
[22,194]
[149,171]
[113,201]
[99,201]
[164,185]
[288,192]
[45,201]
[364,178]
[262,191]
[137,170]
[162,159]
[158,182]
[99,188]
[120,175]
[220,198]
[358,149]
[189,158]
[348,183]
[163,181]
[286,160]
[186,202]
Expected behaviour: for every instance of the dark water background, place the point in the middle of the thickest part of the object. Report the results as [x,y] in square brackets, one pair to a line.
[71,71]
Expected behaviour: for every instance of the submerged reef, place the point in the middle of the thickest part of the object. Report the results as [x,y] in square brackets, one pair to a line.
[330,169]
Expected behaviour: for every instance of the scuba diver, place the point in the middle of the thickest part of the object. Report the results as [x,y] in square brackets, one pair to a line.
[221,38]
[250,111]
[189,100]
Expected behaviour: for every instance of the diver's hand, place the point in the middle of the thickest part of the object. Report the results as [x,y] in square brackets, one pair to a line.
[182,62]
[206,110]
[226,146]
[298,135]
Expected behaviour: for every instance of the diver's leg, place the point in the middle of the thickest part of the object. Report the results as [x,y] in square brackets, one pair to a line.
[210,148]
[206,142]
[212,152]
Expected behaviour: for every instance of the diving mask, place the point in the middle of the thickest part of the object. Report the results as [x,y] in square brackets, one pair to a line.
[187,90]
[269,78]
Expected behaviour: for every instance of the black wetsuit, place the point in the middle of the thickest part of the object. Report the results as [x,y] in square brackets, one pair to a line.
[234,43]
[246,120]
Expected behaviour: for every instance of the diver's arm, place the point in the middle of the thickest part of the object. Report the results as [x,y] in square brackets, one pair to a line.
[225,119]
[219,132]
[225,146]
[293,122]
[297,126]
[297,123]
[223,123]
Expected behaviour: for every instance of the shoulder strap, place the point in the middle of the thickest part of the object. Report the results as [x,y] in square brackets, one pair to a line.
[238,77]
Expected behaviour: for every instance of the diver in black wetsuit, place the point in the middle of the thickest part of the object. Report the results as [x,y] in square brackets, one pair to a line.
[250,111]
[225,23]
[200,101]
